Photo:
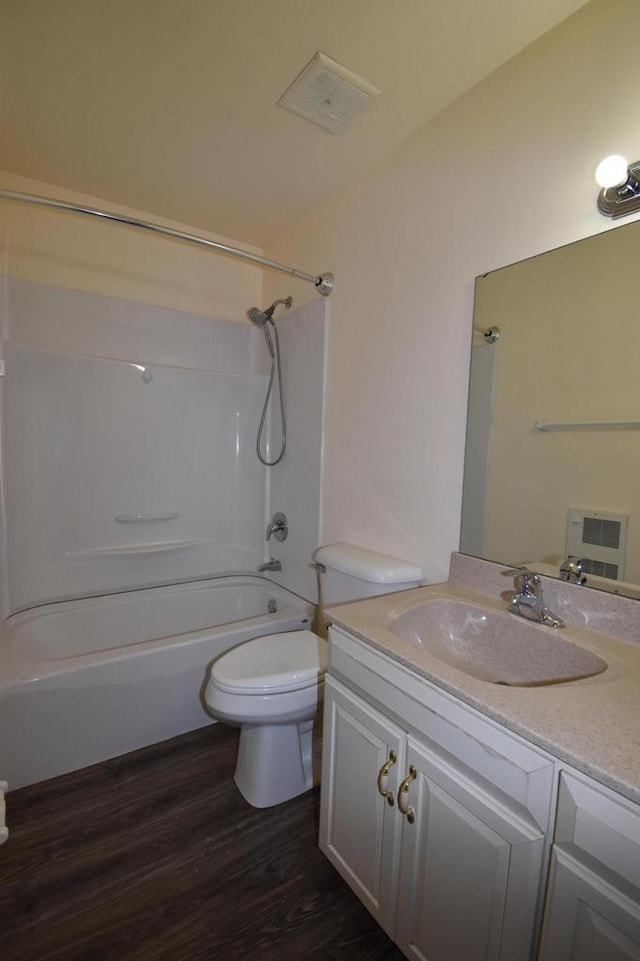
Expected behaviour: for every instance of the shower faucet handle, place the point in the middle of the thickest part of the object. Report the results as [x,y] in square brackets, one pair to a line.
[279,527]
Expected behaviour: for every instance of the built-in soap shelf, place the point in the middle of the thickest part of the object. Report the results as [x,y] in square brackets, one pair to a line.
[158,547]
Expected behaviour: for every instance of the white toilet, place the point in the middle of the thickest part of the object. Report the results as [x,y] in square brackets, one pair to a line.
[271,686]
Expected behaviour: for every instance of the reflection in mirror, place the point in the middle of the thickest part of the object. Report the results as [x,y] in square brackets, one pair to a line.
[553,436]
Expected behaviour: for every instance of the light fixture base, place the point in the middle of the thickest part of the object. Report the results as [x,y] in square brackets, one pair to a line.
[624,200]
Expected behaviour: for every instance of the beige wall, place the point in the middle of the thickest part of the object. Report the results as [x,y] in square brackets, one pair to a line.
[505,173]
[86,253]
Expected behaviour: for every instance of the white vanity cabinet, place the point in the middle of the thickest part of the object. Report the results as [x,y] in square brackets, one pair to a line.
[593,900]
[470,868]
[363,753]
[435,816]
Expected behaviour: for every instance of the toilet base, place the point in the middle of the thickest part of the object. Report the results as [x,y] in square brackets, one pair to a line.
[277,762]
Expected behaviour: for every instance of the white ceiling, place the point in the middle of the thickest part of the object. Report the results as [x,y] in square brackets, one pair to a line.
[170,106]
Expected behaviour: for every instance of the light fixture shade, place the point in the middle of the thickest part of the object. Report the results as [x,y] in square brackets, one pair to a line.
[613,171]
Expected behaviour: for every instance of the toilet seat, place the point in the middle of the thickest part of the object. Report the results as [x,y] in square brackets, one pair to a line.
[273,664]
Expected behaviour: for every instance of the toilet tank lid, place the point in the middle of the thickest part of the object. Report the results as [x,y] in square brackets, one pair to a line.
[366,564]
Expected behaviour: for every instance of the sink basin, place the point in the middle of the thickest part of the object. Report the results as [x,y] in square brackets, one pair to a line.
[494,646]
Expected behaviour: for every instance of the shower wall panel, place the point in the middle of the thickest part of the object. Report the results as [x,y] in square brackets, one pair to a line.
[296,482]
[121,474]
[113,409]
[77,322]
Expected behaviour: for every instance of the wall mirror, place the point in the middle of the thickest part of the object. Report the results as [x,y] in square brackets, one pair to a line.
[552,460]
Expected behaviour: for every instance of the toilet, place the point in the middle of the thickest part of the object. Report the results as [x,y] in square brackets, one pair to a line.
[271,687]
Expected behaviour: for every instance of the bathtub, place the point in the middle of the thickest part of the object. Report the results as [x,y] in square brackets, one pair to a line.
[82,681]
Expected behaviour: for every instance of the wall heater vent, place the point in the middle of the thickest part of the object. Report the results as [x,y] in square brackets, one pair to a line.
[600,540]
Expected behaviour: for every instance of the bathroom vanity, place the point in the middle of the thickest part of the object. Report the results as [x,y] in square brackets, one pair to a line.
[479,817]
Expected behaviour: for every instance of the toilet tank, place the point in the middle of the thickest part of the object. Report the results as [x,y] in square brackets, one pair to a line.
[352,573]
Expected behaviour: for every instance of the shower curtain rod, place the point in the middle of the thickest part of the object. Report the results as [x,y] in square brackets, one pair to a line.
[324,283]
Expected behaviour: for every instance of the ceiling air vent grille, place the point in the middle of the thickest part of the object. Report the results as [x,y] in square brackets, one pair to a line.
[327,94]
[599,540]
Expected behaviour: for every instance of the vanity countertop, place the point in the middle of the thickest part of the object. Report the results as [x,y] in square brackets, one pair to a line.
[593,724]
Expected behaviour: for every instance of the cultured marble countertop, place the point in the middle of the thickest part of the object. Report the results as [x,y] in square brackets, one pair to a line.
[593,724]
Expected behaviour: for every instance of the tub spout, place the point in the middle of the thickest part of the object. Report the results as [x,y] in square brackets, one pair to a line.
[271,565]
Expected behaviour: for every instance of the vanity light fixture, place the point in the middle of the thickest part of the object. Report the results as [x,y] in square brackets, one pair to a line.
[620,183]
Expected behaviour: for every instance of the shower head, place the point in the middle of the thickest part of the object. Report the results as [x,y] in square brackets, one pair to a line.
[260,317]
[257,316]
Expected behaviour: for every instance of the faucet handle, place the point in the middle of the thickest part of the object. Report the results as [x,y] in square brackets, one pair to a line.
[525,581]
[279,527]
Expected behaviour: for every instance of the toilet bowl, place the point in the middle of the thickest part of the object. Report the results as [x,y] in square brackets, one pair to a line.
[272,686]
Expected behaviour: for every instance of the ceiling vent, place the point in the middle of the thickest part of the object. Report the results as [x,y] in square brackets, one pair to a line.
[327,94]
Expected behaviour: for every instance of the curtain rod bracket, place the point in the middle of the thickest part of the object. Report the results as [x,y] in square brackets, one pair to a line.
[324,284]
[490,334]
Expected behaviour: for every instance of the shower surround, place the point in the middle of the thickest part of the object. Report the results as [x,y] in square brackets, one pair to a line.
[122,473]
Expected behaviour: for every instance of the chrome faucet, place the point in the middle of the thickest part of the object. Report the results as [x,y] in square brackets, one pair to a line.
[571,570]
[527,600]
[271,565]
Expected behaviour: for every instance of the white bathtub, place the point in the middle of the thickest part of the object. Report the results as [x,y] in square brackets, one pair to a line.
[82,681]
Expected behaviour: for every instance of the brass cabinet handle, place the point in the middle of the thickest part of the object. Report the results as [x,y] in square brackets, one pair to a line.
[383,778]
[403,795]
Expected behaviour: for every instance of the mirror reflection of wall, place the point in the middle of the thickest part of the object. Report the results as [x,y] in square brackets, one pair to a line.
[568,354]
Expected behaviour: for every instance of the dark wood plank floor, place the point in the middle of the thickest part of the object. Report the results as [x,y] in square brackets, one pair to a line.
[156,856]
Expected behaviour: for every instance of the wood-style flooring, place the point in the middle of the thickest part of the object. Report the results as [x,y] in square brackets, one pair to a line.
[155,856]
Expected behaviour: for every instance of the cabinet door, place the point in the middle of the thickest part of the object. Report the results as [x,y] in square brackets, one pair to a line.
[359,829]
[587,918]
[470,869]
